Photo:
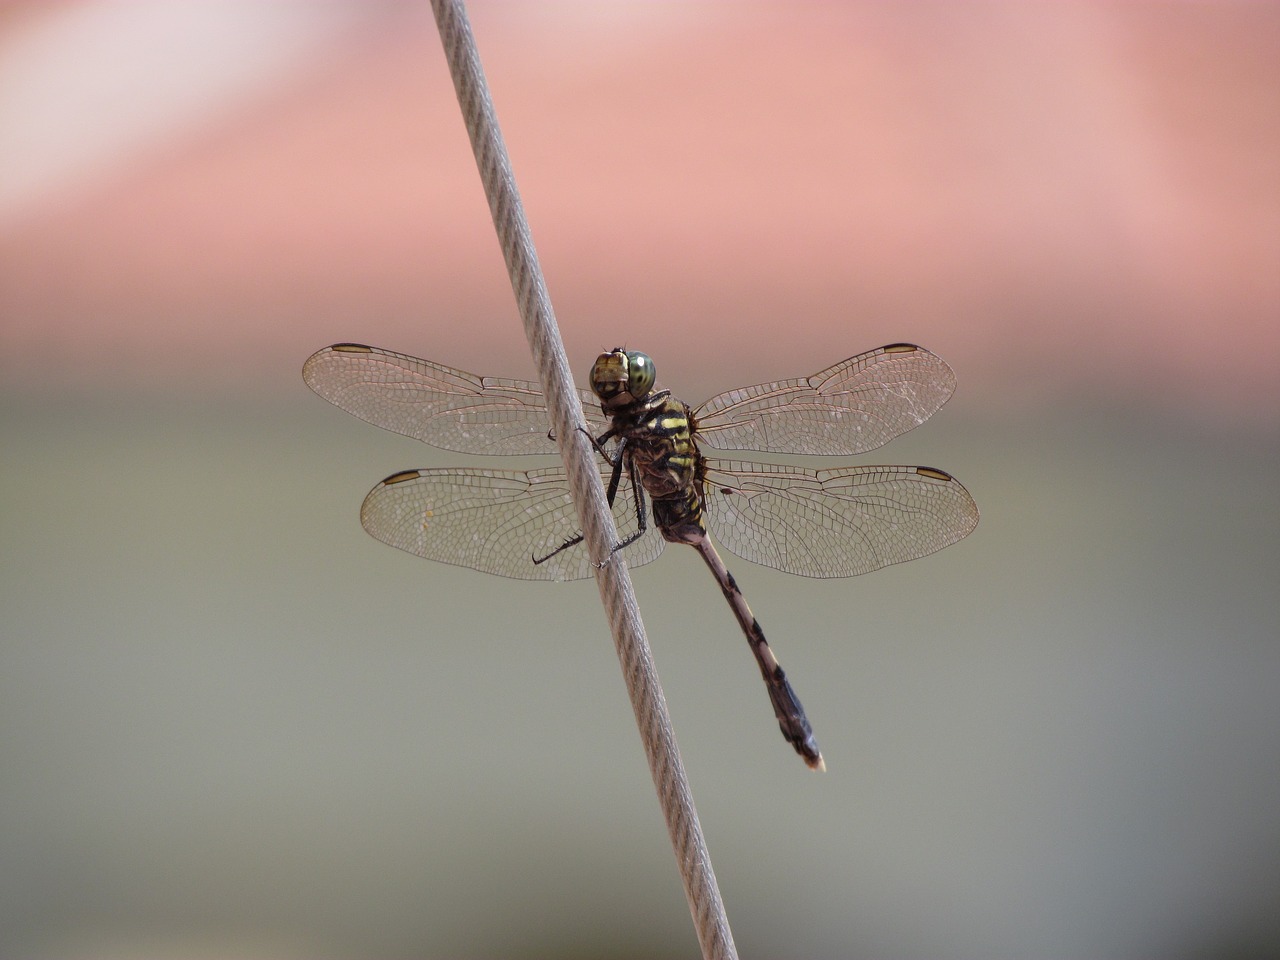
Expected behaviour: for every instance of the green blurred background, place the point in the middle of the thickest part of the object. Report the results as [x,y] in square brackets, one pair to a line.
[233,725]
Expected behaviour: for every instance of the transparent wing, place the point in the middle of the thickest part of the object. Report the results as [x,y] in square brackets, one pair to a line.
[850,408]
[439,405]
[494,521]
[834,523]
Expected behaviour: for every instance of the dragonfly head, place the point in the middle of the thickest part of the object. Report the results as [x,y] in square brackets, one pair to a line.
[622,377]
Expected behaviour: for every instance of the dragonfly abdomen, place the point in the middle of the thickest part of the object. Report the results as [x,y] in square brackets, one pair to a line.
[791,717]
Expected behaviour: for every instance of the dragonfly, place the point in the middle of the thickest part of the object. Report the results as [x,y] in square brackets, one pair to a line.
[821,523]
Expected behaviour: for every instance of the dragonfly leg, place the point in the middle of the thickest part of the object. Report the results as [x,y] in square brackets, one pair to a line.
[637,489]
[597,442]
[618,461]
[786,705]
[642,522]
[615,477]
[611,494]
[571,542]
[600,443]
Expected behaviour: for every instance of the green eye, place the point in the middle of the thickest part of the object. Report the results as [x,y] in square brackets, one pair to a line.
[641,375]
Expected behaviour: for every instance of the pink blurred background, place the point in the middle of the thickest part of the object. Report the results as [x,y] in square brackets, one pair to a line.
[237,726]
[1070,200]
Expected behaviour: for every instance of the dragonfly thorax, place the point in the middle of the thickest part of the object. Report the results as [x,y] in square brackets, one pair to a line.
[622,378]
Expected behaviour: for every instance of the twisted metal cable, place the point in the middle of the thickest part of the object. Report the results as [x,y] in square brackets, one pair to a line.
[612,577]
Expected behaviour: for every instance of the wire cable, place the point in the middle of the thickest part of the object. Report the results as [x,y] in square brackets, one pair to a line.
[612,578]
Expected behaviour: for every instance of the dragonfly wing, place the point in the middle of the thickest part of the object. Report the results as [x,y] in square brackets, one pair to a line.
[850,408]
[439,405]
[834,523]
[495,521]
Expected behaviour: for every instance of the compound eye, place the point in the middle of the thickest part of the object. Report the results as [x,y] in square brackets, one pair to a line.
[608,374]
[641,375]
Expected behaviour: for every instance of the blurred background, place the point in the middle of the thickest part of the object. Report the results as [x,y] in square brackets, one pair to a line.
[233,725]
